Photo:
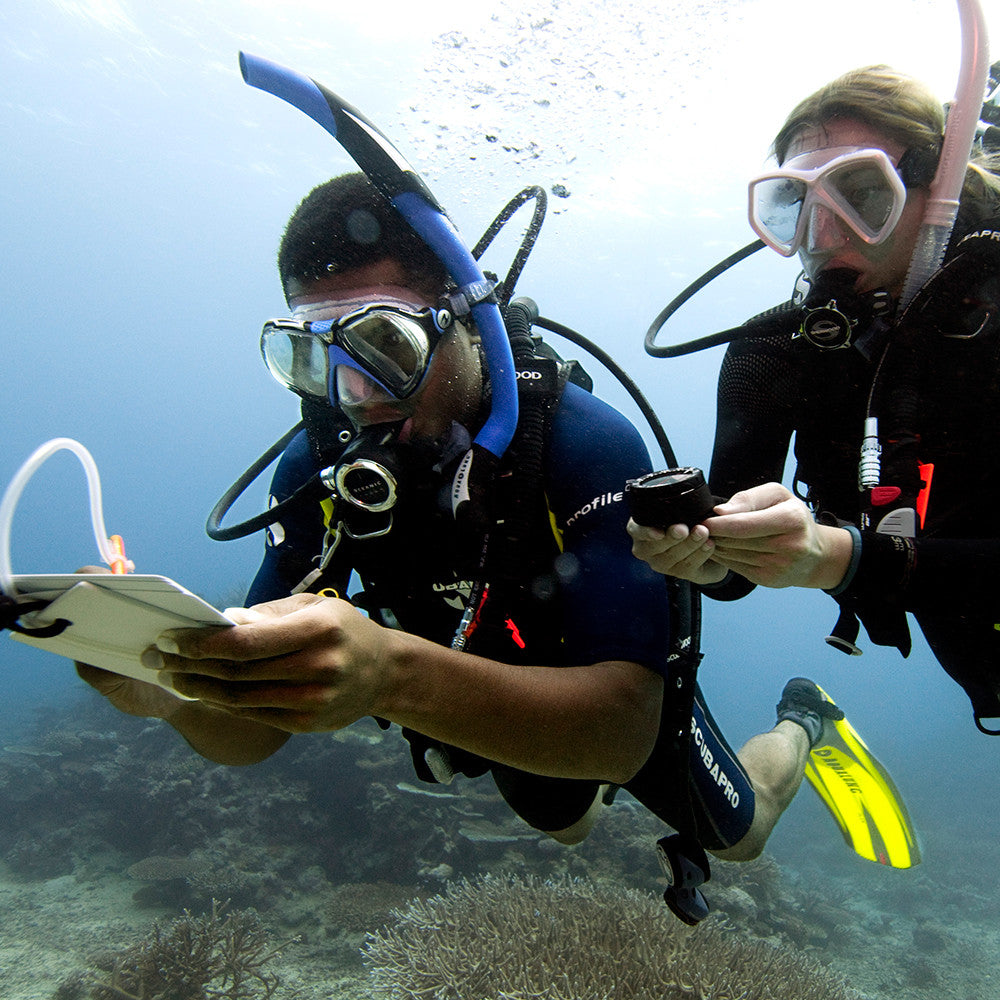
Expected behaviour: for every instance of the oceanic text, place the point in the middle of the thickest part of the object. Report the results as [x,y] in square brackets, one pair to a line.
[826,756]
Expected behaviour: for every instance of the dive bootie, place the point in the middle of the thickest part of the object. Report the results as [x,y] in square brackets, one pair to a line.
[803,702]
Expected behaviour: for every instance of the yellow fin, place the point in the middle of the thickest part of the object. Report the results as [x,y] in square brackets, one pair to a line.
[861,796]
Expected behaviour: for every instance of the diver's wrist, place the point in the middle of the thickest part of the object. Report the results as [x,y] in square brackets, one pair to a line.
[854,559]
[398,692]
[884,567]
[841,552]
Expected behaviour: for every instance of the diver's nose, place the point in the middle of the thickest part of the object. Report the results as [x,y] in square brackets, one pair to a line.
[824,231]
[354,388]
[365,401]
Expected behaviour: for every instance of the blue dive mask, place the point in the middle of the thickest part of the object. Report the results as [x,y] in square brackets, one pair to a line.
[390,344]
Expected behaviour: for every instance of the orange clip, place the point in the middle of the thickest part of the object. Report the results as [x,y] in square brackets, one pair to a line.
[119,564]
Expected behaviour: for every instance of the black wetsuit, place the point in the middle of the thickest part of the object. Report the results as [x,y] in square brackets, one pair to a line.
[588,600]
[773,387]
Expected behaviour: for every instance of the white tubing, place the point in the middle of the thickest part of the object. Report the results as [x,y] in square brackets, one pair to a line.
[959,133]
[16,487]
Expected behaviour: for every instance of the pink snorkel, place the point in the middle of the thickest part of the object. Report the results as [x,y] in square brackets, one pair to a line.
[942,209]
[959,133]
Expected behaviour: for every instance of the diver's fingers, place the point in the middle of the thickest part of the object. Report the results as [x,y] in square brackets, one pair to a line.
[756,498]
[677,538]
[228,696]
[790,517]
[315,663]
[281,628]
[293,708]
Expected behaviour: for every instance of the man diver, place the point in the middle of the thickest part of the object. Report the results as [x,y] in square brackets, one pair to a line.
[558,687]
[855,164]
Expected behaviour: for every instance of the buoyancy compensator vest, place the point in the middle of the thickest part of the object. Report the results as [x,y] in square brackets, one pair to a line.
[934,396]
[504,555]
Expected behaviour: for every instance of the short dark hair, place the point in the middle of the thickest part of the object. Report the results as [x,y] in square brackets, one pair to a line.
[346,223]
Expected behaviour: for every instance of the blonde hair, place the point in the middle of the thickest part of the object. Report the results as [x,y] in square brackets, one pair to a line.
[898,107]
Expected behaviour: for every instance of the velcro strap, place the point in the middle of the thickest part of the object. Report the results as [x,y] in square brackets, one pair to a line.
[537,376]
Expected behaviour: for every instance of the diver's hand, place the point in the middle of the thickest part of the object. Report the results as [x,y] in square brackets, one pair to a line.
[769,536]
[133,697]
[679,551]
[300,664]
[214,734]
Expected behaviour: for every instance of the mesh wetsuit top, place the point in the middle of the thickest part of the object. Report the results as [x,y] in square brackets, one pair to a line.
[772,388]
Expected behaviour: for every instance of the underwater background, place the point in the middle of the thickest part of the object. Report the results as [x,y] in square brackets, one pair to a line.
[145,189]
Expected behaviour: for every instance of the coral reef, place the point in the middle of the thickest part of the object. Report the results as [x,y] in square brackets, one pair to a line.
[514,938]
[211,957]
[94,781]
[117,814]
[96,790]
[359,906]
[753,896]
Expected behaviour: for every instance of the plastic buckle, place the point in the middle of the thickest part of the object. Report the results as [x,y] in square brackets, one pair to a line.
[463,299]
[845,632]
[684,875]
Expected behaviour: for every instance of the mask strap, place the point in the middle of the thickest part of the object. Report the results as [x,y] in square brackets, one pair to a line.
[463,299]
[918,165]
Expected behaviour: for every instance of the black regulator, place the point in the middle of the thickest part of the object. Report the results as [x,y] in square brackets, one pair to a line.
[832,310]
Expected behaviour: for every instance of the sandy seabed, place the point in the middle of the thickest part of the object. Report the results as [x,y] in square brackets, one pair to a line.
[51,927]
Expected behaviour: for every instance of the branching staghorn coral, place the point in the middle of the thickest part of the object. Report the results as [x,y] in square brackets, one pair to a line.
[527,939]
[193,958]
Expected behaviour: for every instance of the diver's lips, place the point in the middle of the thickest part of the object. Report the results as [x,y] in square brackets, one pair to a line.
[377,409]
[838,265]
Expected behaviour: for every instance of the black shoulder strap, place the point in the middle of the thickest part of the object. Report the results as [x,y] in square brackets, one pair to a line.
[516,547]
[520,498]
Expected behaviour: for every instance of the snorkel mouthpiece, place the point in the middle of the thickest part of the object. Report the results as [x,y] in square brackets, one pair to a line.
[392,175]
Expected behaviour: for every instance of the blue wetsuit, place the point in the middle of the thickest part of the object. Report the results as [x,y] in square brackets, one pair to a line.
[591,601]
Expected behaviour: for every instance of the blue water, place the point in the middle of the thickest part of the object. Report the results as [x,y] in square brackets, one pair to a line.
[145,188]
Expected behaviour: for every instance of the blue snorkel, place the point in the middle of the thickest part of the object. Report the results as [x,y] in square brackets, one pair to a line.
[402,186]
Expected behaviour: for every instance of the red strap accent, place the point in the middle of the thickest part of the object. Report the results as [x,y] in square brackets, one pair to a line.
[474,624]
[514,633]
[883,495]
[926,474]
